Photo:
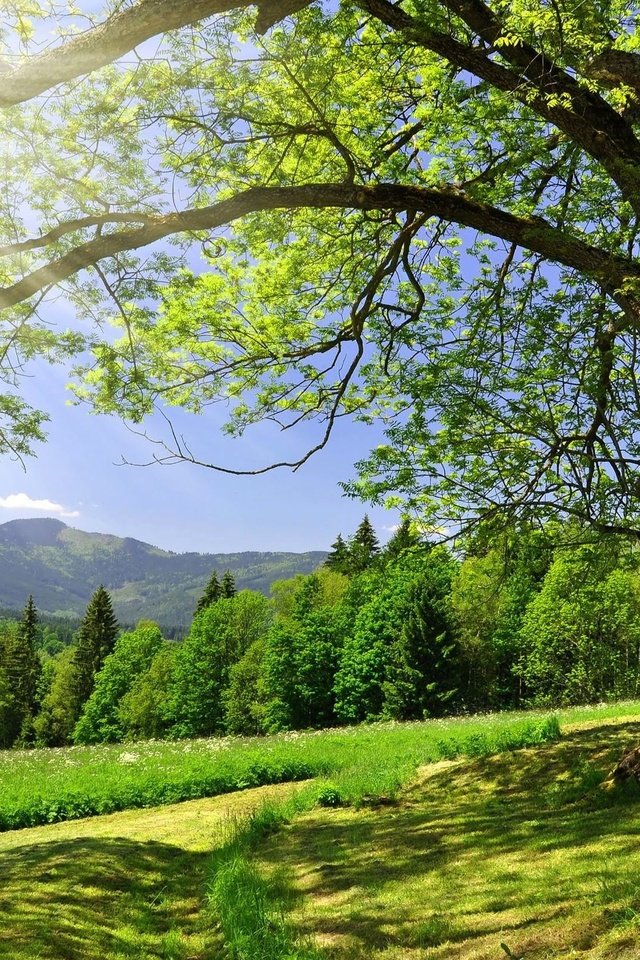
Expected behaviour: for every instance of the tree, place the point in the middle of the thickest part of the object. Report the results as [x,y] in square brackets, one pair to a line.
[59,708]
[7,710]
[300,658]
[219,638]
[228,585]
[502,572]
[404,538]
[134,651]
[95,641]
[245,697]
[338,558]
[212,592]
[423,678]
[363,546]
[380,602]
[146,709]
[22,667]
[426,213]
[581,633]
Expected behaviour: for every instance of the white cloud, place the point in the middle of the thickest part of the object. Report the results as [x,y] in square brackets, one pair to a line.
[22,501]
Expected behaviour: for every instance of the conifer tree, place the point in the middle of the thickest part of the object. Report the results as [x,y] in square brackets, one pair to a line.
[212,592]
[339,556]
[403,539]
[23,670]
[96,640]
[228,586]
[423,675]
[363,546]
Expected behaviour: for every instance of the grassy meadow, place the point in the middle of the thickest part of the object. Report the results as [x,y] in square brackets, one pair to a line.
[45,785]
[429,841]
[126,885]
[520,855]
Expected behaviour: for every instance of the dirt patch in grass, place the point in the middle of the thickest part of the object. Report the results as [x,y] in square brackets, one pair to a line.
[522,849]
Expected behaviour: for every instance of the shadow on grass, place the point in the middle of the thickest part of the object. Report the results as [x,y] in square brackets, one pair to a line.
[475,854]
[82,899]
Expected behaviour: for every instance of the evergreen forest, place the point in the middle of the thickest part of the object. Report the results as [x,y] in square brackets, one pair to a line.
[523,617]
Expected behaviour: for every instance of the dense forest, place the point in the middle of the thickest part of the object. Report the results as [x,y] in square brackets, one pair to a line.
[522,617]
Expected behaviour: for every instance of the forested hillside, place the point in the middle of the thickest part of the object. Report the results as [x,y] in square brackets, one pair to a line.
[63,566]
[517,617]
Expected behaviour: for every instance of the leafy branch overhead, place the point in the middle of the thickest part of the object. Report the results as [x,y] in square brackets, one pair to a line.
[425,213]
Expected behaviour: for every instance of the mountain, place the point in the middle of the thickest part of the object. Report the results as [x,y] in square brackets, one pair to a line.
[62,566]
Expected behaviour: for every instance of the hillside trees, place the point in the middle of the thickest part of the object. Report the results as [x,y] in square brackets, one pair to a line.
[132,656]
[212,592]
[219,638]
[526,618]
[95,641]
[423,213]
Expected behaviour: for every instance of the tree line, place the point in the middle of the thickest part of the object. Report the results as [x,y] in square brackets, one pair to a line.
[523,617]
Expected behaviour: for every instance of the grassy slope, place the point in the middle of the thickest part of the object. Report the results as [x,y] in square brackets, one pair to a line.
[523,849]
[127,885]
[518,848]
[42,786]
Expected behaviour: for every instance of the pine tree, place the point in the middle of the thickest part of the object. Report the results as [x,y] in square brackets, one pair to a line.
[228,586]
[339,556]
[423,675]
[23,670]
[96,639]
[403,539]
[212,592]
[363,546]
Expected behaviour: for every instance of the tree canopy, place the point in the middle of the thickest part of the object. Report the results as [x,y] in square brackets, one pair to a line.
[424,213]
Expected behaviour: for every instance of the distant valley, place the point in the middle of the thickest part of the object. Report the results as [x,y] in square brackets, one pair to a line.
[62,566]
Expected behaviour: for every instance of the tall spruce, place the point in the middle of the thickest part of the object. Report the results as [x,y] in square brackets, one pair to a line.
[96,640]
[212,592]
[363,546]
[339,556]
[22,667]
[228,585]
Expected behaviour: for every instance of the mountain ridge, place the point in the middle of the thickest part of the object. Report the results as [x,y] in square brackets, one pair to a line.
[62,565]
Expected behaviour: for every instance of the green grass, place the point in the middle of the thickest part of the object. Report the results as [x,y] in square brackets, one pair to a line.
[45,786]
[128,885]
[523,849]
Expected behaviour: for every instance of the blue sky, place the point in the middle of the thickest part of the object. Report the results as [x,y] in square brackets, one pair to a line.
[184,507]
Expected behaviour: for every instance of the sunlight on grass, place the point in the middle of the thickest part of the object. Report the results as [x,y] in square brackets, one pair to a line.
[523,849]
[128,885]
[44,786]
[476,854]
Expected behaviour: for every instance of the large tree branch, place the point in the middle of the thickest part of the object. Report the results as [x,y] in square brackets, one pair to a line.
[533,233]
[71,226]
[589,120]
[118,35]
[616,67]
[535,81]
